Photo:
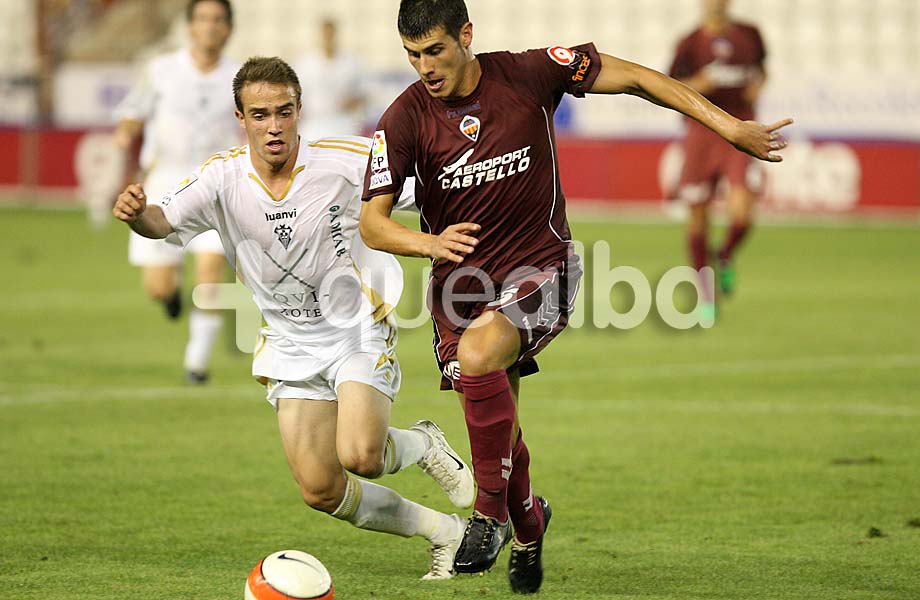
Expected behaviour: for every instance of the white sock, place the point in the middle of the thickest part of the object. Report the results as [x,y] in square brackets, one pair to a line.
[376,508]
[203,326]
[405,447]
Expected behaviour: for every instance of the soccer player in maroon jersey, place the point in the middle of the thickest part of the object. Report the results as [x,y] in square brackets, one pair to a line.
[723,60]
[477,132]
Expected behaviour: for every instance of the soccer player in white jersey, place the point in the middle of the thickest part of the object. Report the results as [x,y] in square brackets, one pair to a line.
[287,212]
[183,109]
[334,89]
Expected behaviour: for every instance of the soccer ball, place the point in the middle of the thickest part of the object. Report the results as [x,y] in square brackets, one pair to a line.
[289,574]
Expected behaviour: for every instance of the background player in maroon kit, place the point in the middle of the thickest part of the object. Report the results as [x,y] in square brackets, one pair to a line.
[477,132]
[724,61]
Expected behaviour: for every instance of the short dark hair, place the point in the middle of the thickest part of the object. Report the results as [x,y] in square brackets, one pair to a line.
[419,17]
[190,9]
[268,70]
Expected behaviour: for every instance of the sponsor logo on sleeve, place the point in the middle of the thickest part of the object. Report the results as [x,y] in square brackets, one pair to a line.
[722,48]
[582,69]
[562,55]
[470,127]
[185,183]
[380,179]
[379,160]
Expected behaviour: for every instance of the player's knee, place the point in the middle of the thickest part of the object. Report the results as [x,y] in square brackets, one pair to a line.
[364,462]
[474,360]
[478,356]
[159,290]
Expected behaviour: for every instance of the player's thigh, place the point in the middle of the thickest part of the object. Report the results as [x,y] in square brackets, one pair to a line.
[490,343]
[307,429]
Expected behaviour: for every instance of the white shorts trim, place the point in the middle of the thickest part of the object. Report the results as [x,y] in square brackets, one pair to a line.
[372,362]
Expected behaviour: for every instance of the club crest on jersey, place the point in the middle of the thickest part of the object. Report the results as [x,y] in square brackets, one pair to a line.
[562,55]
[284,235]
[470,127]
[722,48]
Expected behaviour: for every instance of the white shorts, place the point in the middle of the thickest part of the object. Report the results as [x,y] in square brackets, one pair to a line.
[145,252]
[370,360]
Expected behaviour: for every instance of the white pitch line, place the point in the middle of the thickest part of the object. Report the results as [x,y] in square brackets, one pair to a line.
[50,394]
[601,405]
[747,367]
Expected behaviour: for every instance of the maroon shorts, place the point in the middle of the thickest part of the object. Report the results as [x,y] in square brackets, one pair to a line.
[709,159]
[538,303]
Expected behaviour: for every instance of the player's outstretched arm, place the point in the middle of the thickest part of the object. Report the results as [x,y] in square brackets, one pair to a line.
[381,232]
[618,76]
[131,207]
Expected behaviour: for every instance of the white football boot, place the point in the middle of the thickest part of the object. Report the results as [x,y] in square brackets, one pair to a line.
[443,551]
[444,466]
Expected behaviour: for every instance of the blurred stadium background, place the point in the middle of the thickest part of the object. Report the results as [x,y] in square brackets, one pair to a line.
[846,69]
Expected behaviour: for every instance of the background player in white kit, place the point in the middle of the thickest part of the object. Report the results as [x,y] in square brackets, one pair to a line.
[183,109]
[334,93]
[287,211]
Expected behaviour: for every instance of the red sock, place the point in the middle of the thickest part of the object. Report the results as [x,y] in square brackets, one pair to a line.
[699,256]
[736,235]
[523,507]
[489,407]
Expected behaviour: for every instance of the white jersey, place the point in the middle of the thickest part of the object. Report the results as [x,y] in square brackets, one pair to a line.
[312,277]
[188,115]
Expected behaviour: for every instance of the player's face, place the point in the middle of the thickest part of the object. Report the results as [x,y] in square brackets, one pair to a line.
[209,27]
[269,117]
[443,62]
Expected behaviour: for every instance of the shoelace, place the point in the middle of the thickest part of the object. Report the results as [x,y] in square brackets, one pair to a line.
[439,558]
[486,534]
[528,554]
[437,468]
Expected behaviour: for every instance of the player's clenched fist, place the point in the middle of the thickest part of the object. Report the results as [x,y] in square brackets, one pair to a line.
[130,204]
[454,242]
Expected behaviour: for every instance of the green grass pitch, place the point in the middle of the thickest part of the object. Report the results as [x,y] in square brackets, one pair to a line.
[775,456]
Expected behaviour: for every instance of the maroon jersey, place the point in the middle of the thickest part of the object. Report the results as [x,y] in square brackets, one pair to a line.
[489,158]
[731,59]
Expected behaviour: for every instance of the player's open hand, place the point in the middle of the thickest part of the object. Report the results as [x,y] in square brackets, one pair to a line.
[761,141]
[455,242]
[130,204]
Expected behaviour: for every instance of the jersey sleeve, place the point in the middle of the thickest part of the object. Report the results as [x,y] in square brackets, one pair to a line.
[558,69]
[392,156]
[138,105]
[682,66]
[192,208]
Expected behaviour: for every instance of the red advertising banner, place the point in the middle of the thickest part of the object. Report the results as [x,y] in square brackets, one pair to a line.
[815,176]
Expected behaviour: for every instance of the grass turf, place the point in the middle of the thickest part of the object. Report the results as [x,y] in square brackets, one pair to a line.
[773,456]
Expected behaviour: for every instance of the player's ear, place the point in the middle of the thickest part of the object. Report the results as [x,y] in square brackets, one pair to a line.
[466,35]
[240,118]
